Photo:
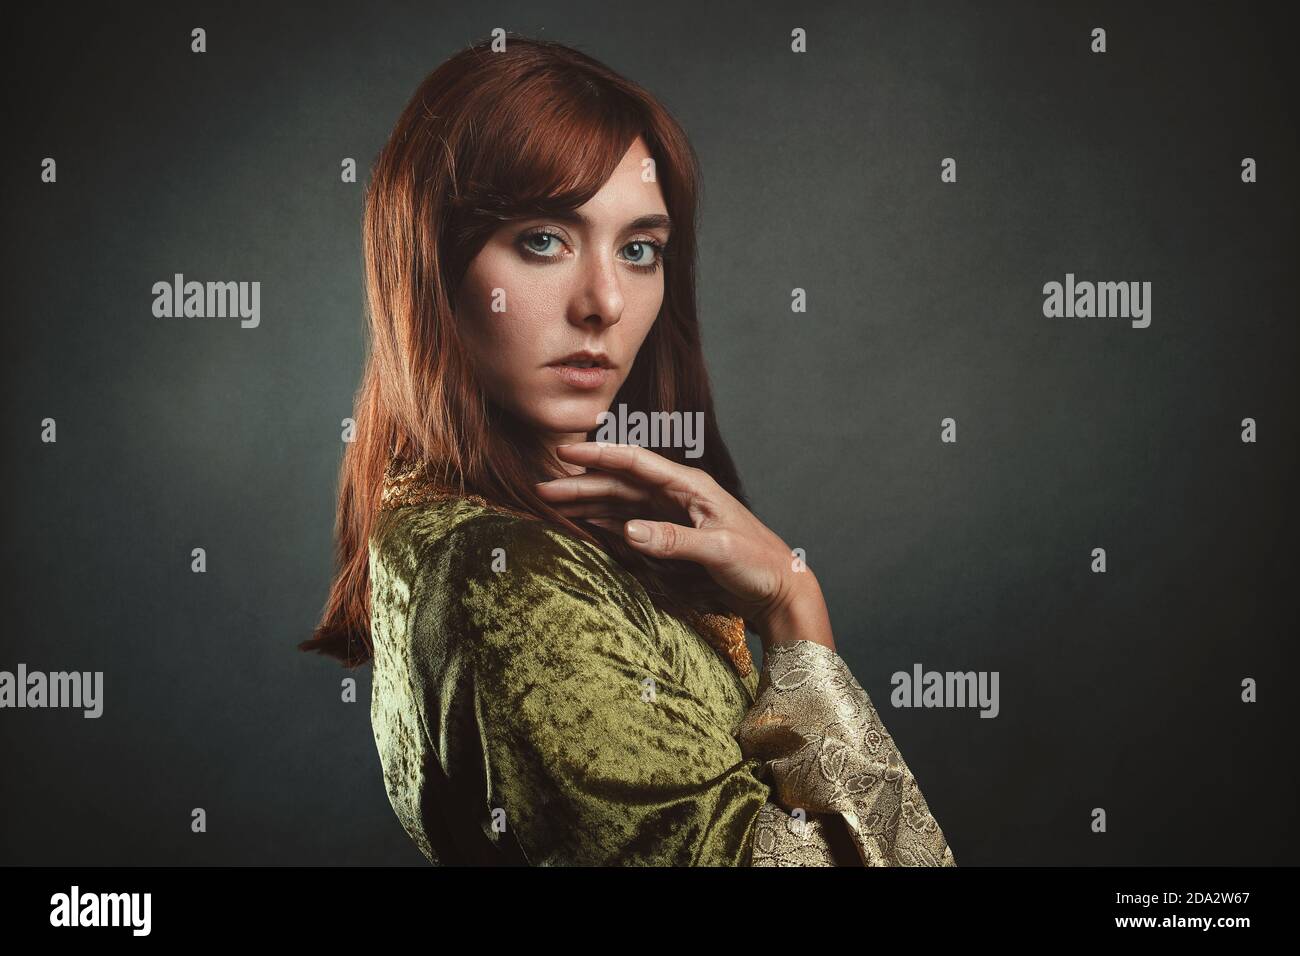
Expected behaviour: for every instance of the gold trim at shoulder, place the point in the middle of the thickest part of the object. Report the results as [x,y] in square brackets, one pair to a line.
[408,483]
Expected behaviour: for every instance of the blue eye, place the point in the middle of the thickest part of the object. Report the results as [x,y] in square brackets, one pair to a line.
[539,235]
[641,247]
[655,251]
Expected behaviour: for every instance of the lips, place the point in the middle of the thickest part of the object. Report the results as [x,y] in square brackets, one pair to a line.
[585,370]
[585,359]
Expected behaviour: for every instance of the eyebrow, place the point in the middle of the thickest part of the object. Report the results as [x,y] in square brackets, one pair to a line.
[655,221]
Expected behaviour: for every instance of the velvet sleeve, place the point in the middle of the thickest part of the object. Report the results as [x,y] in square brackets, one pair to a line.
[558,715]
[827,751]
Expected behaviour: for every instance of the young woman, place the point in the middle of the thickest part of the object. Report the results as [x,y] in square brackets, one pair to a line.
[557,625]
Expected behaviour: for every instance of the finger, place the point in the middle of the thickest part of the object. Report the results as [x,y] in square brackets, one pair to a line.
[605,486]
[664,539]
[639,462]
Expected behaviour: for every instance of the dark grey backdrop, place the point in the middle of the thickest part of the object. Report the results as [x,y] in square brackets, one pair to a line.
[822,172]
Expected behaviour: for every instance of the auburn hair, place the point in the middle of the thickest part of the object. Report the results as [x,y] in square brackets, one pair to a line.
[488,137]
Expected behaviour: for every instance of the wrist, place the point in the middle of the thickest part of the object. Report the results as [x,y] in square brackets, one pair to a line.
[798,613]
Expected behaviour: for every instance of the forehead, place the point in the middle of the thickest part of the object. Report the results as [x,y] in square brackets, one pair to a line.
[632,189]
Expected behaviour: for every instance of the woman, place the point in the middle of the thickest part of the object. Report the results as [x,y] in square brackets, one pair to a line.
[554,683]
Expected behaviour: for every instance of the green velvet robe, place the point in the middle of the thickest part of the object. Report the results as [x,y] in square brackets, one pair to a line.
[531,706]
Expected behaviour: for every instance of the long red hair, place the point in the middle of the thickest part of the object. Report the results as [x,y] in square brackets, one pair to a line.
[489,137]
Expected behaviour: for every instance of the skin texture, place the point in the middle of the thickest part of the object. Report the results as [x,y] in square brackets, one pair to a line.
[580,290]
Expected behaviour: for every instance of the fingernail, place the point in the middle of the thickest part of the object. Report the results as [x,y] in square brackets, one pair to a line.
[638,532]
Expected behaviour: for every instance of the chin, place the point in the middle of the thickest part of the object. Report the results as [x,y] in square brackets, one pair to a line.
[570,415]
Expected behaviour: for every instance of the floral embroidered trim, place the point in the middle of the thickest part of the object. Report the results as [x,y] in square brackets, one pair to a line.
[823,742]
[781,839]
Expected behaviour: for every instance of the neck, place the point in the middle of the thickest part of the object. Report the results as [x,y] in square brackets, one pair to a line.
[552,440]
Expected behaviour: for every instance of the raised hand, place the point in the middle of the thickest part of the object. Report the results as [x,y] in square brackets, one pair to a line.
[670,510]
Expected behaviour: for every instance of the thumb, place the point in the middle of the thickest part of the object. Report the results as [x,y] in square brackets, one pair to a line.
[663,539]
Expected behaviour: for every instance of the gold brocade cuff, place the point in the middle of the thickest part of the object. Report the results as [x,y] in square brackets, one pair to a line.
[827,751]
[784,839]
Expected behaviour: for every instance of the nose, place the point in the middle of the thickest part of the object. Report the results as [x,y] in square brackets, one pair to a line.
[598,300]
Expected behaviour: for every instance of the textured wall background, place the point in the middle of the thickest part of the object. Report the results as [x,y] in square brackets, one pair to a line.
[821,171]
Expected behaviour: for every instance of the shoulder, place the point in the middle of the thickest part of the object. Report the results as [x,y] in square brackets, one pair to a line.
[480,542]
[476,564]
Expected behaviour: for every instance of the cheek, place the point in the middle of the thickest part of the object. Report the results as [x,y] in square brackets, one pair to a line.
[506,321]
[516,338]
[647,314]
[510,345]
